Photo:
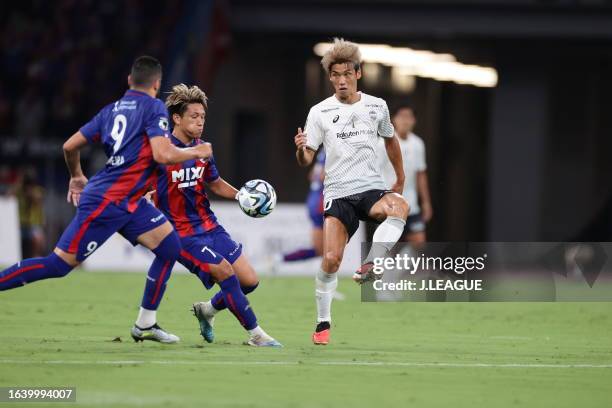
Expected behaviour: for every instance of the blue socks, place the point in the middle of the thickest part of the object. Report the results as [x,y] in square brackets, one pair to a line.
[218,302]
[237,302]
[32,270]
[300,255]
[166,254]
[52,266]
[158,275]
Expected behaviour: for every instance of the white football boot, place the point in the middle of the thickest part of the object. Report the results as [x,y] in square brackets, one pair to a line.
[153,333]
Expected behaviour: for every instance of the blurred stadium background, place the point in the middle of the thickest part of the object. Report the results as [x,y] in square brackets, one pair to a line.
[524,158]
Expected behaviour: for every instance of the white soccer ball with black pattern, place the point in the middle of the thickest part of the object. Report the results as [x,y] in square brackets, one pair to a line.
[257,198]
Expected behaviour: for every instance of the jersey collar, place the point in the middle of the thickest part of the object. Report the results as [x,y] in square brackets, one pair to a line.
[176,141]
[133,92]
[349,104]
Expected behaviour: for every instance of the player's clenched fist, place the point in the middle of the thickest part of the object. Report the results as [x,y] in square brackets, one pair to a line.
[304,155]
[300,139]
[203,150]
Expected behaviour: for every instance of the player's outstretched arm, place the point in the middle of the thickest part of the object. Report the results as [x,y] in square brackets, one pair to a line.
[72,156]
[164,152]
[223,189]
[395,157]
[304,155]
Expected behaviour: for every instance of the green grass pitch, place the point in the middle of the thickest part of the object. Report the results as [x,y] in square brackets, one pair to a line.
[60,332]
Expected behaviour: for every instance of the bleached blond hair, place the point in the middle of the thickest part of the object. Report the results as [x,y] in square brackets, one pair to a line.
[341,52]
[182,96]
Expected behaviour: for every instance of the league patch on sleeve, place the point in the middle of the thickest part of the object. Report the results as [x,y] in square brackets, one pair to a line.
[163,123]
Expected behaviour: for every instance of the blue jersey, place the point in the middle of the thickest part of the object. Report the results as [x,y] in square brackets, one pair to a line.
[124,128]
[318,170]
[181,195]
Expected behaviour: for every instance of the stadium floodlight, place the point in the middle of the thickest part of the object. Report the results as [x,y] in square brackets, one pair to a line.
[423,63]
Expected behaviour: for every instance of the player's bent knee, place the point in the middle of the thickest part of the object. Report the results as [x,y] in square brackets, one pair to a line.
[57,266]
[222,271]
[152,239]
[169,248]
[403,208]
[332,261]
[397,207]
[248,281]
[246,289]
[69,258]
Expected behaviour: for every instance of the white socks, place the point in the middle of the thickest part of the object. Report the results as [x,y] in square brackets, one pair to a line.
[209,309]
[385,237]
[325,286]
[146,318]
[259,333]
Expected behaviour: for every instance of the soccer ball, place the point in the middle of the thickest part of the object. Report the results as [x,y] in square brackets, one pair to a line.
[257,198]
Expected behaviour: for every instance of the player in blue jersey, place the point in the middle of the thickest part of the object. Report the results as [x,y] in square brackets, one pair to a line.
[134,132]
[208,251]
[314,203]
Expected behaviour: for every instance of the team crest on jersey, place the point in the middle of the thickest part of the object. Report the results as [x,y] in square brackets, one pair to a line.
[373,115]
[163,123]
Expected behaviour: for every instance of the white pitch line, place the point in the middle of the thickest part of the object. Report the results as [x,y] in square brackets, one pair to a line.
[323,363]
[464,365]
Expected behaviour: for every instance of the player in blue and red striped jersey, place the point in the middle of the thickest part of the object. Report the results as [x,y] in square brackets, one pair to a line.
[314,204]
[208,251]
[134,132]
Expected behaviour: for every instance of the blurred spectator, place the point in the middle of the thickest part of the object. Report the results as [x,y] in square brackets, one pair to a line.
[63,110]
[5,112]
[30,196]
[8,179]
[29,114]
[50,51]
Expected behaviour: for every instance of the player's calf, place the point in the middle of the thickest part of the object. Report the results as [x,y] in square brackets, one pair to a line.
[217,302]
[34,269]
[325,287]
[146,328]
[235,300]
[205,311]
[395,210]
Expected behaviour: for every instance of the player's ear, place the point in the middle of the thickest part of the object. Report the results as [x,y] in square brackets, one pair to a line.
[176,118]
[129,80]
[358,73]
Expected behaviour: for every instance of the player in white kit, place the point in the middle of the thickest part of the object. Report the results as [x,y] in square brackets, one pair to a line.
[349,124]
[416,186]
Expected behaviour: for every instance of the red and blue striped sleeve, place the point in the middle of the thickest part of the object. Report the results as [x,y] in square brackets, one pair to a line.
[211,174]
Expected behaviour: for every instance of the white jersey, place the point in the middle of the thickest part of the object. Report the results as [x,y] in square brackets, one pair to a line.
[350,134]
[413,157]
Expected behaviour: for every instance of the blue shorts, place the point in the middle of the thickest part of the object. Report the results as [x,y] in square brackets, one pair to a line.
[98,218]
[414,224]
[211,247]
[314,202]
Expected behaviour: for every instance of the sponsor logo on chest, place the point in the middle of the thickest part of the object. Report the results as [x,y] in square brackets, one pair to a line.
[187,177]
